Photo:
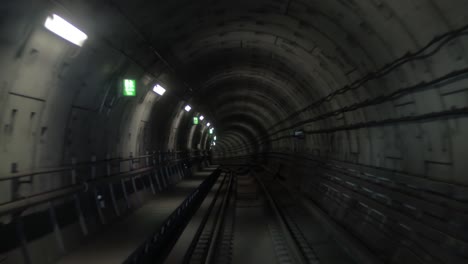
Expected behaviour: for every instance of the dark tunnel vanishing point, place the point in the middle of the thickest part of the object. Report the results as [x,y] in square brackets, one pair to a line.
[325,131]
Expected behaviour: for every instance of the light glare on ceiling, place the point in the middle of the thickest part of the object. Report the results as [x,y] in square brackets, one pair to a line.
[65,30]
[159,89]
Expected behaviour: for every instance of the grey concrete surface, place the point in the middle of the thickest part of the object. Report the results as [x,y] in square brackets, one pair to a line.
[115,243]
[182,245]
[359,106]
[252,239]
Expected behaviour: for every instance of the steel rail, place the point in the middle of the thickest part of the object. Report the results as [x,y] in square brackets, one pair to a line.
[297,254]
[221,215]
[195,241]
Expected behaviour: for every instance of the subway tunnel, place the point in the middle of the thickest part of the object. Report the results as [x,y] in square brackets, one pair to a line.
[249,131]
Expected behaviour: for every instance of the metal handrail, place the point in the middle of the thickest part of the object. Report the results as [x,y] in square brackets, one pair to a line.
[37,172]
[29,201]
[23,203]
[81,165]
[68,167]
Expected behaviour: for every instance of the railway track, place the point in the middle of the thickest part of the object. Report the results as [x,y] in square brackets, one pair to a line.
[244,224]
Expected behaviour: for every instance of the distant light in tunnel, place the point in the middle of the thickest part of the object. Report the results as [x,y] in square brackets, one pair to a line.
[215,138]
[211,130]
[159,89]
[65,30]
[201,118]
[208,124]
[299,134]
[129,87]
[188,108]
[195,120]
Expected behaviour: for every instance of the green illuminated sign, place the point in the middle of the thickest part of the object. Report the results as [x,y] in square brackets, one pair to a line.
[129,87]
[195,120]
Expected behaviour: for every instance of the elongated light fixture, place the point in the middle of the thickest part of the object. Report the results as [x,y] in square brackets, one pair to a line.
[65,30]
[159,89]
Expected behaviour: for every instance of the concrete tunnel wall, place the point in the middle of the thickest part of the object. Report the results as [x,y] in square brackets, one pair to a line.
[378,87]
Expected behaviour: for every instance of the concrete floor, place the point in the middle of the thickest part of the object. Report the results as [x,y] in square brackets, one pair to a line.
[252,239]
[116,242]
[252,243]
[182,245]
[256,234]
[325,248]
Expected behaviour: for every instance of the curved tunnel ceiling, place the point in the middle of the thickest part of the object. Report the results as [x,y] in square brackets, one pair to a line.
[363,105]
[288,54]
[284,65]
[270,67]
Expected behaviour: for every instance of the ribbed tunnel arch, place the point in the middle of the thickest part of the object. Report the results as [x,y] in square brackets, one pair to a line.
[359,107]
[244,132]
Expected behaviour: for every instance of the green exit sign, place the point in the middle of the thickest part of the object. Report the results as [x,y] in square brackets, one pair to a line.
[129,87]
[195,120]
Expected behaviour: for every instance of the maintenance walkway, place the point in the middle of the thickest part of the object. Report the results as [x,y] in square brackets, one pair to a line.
[116,242]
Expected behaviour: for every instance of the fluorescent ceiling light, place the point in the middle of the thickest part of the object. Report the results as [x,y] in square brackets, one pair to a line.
[201,118]
[214,137]
[159,89]
[208,124]
[188,108]
[65,30]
